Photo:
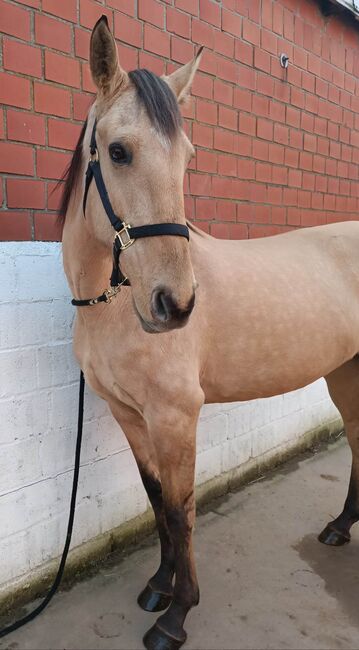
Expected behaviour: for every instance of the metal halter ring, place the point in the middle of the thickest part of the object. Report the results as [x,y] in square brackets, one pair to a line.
[124,237]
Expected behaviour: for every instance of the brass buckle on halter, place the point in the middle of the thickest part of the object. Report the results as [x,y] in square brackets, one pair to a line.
[94,156]
[124,237]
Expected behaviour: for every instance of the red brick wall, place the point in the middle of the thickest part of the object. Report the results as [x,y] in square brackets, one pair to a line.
[275,149]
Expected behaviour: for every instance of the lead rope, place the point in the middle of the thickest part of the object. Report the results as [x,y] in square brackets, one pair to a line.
[29,617]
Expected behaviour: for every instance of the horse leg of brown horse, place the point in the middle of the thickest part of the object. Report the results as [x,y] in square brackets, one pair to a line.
[174,436]
[157,594]
[343,386]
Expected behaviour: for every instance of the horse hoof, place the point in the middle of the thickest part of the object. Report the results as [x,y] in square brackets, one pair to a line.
[158,639]
[333,537]
[153,601]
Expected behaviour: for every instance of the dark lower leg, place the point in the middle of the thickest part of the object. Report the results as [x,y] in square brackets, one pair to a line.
[169,627]
[337,532]
[157,595]
[186,591]
[343,385]
[174,435]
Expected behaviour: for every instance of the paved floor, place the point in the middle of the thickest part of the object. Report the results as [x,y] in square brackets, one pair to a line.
[265,580]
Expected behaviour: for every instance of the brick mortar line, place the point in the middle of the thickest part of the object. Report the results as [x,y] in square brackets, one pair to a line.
[233,84]
[227,131]
[53,477]
[218,127]
[201,173]
[36,347]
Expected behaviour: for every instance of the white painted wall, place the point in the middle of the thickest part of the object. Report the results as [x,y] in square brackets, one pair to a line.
[38,415]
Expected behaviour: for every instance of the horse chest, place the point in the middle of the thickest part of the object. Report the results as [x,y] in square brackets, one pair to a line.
[117,364]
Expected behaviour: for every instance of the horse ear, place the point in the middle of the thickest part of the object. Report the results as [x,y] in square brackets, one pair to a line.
[105,69]
[180,81]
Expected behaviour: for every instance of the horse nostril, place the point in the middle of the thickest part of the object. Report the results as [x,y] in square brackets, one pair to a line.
[165,308]
[162,305]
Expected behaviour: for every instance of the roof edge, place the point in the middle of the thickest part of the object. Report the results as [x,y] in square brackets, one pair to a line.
[350,5]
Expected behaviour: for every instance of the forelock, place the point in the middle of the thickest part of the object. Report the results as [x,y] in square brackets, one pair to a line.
[159,101]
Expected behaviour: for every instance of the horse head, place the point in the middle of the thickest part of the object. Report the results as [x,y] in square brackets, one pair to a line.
[143,152]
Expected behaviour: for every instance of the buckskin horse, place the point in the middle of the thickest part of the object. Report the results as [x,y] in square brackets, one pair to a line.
[271,315]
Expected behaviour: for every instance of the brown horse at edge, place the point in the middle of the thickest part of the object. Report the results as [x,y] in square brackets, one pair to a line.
[270,316]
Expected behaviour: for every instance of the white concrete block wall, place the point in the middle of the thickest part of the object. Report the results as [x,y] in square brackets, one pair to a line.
[38,416]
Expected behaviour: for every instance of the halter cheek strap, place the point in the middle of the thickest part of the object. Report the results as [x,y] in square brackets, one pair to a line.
[126,234]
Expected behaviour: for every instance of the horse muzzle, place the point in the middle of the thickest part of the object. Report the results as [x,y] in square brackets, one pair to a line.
[166,313]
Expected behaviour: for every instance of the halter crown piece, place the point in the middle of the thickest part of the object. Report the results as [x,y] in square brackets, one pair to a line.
[126,234]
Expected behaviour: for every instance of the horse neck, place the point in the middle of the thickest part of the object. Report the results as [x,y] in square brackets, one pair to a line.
[87,262]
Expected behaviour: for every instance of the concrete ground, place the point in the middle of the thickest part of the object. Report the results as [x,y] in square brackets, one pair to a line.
[265,580]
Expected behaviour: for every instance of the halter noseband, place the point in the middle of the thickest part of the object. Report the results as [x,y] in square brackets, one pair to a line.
[126,234]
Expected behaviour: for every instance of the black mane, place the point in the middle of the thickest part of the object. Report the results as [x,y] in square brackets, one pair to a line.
[71,174]
[161,107]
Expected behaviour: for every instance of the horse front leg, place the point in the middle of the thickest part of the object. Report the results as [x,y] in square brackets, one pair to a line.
[175,441]
[157,594]
[343,385]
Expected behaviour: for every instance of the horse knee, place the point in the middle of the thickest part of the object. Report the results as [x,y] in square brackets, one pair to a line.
[174,410]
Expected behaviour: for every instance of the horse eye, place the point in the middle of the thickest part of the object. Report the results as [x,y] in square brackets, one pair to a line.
[119,154]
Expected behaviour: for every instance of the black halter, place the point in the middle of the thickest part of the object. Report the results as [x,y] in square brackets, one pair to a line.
[125,233]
